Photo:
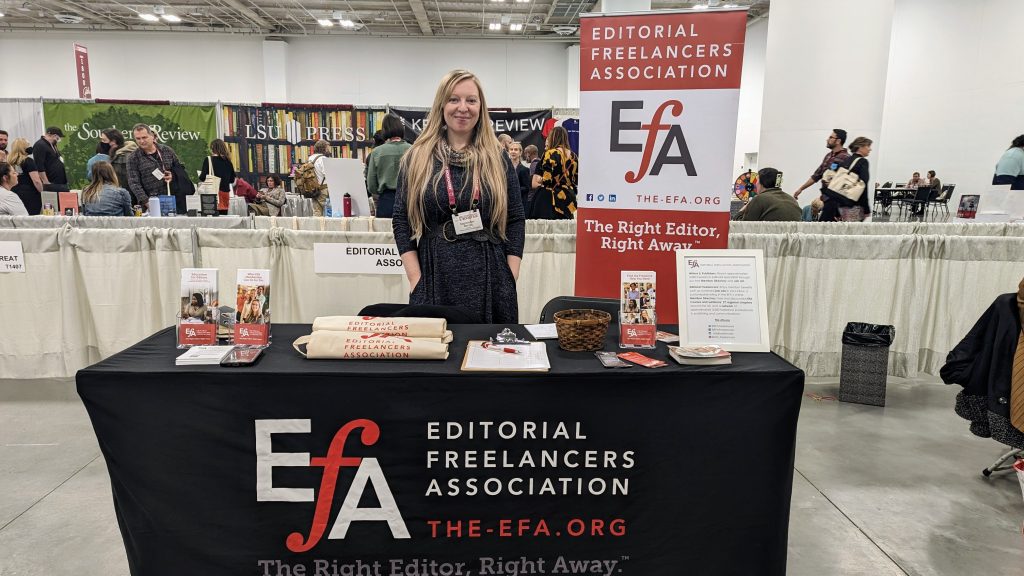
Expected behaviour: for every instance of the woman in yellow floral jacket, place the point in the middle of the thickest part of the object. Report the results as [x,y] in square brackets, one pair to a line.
[556,180]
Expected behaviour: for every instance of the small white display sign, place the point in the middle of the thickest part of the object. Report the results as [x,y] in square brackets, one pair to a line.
[12,258]
[722,299]
[339,258]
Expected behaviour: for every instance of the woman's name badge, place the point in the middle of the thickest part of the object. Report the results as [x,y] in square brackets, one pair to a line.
[158,174]
[466,222]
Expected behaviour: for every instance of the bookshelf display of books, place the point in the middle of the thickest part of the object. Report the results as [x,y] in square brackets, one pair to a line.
[272,139]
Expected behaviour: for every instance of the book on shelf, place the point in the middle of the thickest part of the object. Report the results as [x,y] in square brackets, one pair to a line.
[700,355]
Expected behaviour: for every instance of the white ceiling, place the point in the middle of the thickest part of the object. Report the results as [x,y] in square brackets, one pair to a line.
[539,19]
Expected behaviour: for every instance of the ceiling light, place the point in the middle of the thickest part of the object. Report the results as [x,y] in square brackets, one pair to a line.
[171,18]
[493,26]
[150,17]
[515,27]
[346,23]
[701,7]
[522,1]
[497,0]
[730,5]
[325,22]
[24,7]
[1,14]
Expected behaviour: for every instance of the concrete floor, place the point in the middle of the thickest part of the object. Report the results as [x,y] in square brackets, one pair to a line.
[877,491]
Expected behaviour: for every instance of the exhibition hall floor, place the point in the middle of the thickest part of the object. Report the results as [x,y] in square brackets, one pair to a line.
[877,491]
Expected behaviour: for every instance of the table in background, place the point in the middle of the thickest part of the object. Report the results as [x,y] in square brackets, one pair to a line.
[708,490]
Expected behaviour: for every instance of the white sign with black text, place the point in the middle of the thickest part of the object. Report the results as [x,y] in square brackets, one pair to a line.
[339,258]
[722,299]
[12,258]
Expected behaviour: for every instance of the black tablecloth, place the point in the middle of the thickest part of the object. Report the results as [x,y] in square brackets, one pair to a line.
[670,471]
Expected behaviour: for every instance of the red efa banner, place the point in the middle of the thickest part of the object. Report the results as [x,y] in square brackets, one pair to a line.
[659,96]
[82,71]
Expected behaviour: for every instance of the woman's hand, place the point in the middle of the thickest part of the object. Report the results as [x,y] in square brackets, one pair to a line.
[514,263]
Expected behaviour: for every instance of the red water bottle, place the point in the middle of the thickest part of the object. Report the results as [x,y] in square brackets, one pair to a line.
[347,205]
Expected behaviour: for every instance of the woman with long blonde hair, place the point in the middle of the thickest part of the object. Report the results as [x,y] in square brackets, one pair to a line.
[458,218]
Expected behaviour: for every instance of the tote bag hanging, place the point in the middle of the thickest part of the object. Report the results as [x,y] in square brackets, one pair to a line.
[847,184]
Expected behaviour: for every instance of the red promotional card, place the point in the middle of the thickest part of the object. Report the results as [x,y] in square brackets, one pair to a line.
[637,334]
[645,361]
[196,334]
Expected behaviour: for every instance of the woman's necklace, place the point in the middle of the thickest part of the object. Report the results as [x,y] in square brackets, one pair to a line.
[455,157]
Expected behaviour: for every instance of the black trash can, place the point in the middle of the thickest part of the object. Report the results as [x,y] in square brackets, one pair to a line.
[865,363]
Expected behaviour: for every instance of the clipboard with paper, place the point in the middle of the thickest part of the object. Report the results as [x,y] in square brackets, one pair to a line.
[530,357]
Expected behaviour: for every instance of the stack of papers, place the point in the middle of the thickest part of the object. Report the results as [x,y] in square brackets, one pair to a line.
[203,355]
[542,331]
[700,355]
[532,357]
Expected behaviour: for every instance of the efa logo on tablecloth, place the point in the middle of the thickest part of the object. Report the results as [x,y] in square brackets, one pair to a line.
[368,475]
[673,148]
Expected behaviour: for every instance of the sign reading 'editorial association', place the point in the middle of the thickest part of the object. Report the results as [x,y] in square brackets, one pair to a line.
[659,96]
[339,258]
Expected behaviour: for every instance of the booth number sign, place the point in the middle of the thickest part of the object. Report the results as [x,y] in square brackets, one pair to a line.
[12,259]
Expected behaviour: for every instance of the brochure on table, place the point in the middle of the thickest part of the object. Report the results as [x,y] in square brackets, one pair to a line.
[198,307]
[637,318]
[722,299]
[252,308]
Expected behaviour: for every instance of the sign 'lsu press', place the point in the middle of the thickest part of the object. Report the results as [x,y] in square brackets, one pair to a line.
[659,96]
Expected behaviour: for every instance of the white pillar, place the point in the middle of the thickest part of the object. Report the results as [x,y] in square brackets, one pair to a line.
[572,92]
[275,71]
[825,68]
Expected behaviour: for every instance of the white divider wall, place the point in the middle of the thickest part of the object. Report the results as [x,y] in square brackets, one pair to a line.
[89,293]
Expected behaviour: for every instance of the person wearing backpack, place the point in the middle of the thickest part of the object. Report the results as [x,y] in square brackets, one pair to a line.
[317,189]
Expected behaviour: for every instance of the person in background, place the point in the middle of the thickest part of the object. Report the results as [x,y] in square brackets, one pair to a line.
[555,179]
[478,268]
[102,154]
[321,150]
[149,167]
[835,157]
[935,185]
[271,197]
[3,145]
[10,203]
[812,211]
[515,151]
[530,157]
[223,169]
[1010,168]
[119,155]
[382,170]
[104,196]
[504,140]
[49,162]
[915,181]
[838,207]
[30,185]
[771,204]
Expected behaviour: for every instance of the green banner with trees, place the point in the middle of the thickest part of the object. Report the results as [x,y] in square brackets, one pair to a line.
[186,129]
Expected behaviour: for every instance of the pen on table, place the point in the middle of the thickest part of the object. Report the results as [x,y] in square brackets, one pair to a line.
[505,349]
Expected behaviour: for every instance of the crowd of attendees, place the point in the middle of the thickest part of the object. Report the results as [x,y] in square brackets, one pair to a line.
[124,173]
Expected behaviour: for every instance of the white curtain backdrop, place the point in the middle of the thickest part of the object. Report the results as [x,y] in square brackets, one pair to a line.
[90,292]
[21,118]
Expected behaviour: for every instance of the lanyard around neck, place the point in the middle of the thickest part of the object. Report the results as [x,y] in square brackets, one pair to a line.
[452,203]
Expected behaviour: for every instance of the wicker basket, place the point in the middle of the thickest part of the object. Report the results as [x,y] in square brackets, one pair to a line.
[581,330]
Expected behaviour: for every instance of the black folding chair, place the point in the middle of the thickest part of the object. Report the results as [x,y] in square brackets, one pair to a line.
[919,203]
[942,201]
[559,303]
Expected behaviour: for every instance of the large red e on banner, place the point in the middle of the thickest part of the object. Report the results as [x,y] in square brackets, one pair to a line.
[659,95]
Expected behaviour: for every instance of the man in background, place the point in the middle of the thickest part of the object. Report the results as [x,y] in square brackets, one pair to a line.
[835,157]
[149,167]
[3,145]
[771,204]
[49,162]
